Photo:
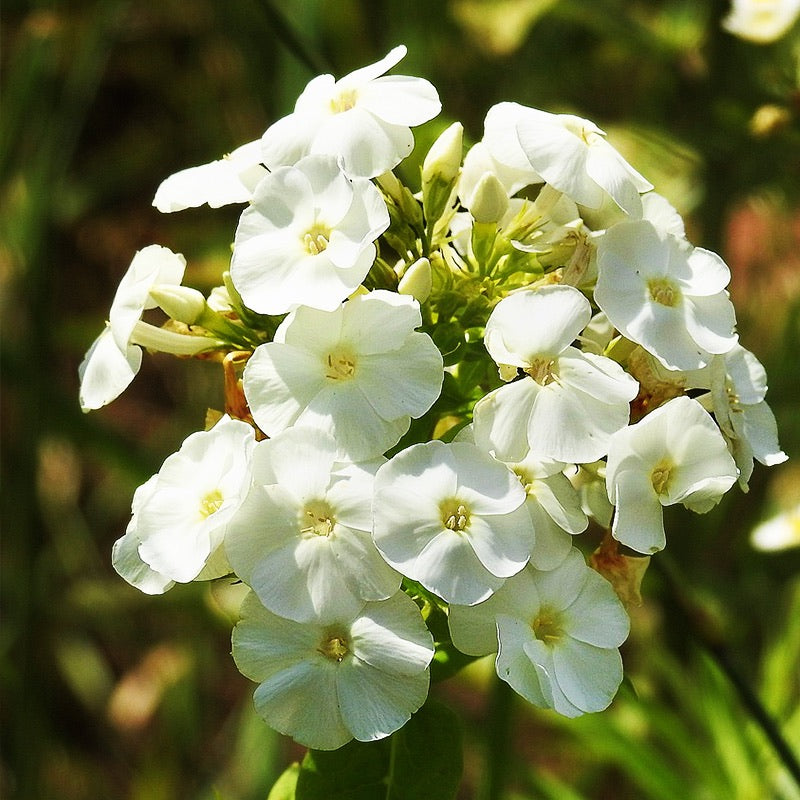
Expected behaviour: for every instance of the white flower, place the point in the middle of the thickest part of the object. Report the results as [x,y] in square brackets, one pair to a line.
[761,21]
[556,635]
[779,532]
[452,518]
[180,517]
[307,238]
[360,372]
[567,403]
[363,118]
[324,684]
[665,295]
[676,454]
[113,360]
[738,383]
[232,179]
[552,502]
[572,155]
[302,538]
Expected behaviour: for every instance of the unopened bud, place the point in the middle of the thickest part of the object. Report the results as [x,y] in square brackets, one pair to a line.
[489,200]
[417,280]
[444,158]
[179,302]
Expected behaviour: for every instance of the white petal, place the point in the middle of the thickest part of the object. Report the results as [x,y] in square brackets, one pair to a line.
[401,100]
[106,371]
[639,521]
[514,665]
[501,418]
[559,587]
[597,616]
[760,430]
[589,676]
[503,543]
[391,636]
[529,324]
[375,704]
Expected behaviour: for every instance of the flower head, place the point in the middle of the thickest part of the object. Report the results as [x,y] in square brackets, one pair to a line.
[359,372]
[573,156]
[361,676]
[113,360]
[567,403]
[307,237]
[452,518]
[302,538]
[665,295]
[180,516]
[761,21]
[676,454]
[556,635]
[362,118]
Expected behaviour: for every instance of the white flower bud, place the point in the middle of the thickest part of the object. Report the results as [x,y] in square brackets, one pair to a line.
[417,280]
[179,302]
[489,200]
[444,158]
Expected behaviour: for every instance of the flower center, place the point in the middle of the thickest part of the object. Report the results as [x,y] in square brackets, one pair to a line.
[344,101]
[525,478]
[334,646]
[317,239]
[660,477]
[664,292]
[585,134]
[455,516]
[547,626]
[211,503]
[543,370]
[341,366]
[316,519]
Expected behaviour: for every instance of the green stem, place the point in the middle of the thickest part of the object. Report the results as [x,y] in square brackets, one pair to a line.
[498,736]
[697,624]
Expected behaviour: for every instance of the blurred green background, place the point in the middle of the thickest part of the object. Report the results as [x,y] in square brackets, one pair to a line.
[107,693]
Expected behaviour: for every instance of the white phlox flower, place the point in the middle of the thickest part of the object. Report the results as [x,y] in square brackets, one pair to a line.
[307,238]
[761,21]
[556,635]
[363,118]
[552,502]
[676,454]
[231,179]
[665,295]
[568,403]
[453,518]
[323,684]
[180,518]
[302,538]
[479,161]
[738,383]
[572,155]
[113,360]
[360,373]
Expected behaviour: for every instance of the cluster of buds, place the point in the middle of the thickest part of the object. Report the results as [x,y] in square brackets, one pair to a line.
[428,396]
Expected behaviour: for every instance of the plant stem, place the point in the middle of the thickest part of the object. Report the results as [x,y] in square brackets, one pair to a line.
[710,640]
[498,735]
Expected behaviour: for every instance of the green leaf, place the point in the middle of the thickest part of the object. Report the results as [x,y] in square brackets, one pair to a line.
[421,760]
[428,758]
[357,771]
[286,785]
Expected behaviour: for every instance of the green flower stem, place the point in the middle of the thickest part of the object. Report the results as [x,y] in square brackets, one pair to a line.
[498,741]
[704,631]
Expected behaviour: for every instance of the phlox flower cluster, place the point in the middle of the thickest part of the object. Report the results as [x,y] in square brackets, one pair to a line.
[429,396]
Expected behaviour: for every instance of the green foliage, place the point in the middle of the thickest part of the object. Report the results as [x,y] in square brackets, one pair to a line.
[422,759]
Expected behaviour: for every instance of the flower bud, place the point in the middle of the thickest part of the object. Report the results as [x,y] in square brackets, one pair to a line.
[164,340]
[179,302]
[417,280]
[489,200]
[444,158]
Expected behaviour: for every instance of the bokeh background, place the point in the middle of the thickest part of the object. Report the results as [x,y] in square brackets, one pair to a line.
[107,693]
